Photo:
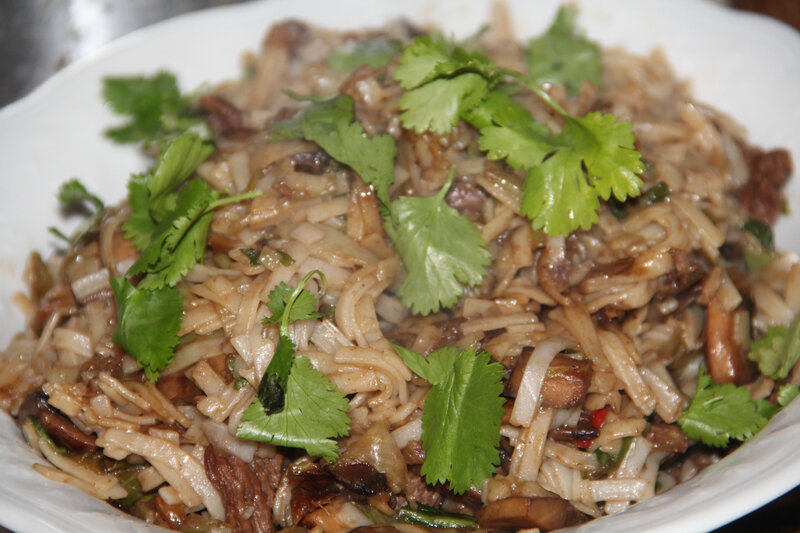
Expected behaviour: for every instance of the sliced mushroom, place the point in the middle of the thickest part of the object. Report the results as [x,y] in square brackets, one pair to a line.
[726,344]
[517,512]
[565,383]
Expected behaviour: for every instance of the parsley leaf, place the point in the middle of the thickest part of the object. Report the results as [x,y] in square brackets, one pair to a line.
[374,52]
[719,413]
[778,351]
[440,248]
[561,56]
[156,109]
[331,124]
[314,414]
[147,324]
[74,194]
[461,417]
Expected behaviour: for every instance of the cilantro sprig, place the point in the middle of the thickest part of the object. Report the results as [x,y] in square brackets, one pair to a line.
[441,249]
[73,194]
[778,351]
[157,111]
[296,405]
[563,56]
[169,221]
[719,413]
[147,324]
[374,52]
[567,173]
[461,415]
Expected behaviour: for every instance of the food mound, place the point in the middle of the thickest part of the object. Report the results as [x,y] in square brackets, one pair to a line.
[388,280]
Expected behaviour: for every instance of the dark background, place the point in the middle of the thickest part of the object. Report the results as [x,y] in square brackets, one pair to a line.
[39,37]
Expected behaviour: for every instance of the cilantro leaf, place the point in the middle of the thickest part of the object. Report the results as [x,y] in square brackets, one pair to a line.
[331,124]
[152,195]
[175,164]
[156,109]
[719,413]
[178,242]
[147,324]
[778,351]
[374,52]
[591,158]
[302,308]
[272,389]
[433,368]
[439,104]
[432,56]
[440,248]
[74,194]
[288,304]
[314,414]
[461,422]
[561,56]
[568,172]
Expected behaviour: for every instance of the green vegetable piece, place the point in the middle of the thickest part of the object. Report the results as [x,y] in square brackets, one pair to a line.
[562,56]
[374,52]
[461,422]
[610,462]
[331,124]
[777,351]
[239,383]
[73,194]
[427,516]
[440,248]
[719,413]
[147,324]
[155,107]
[786,393]
[253,255]
[657,193]
[762,232]
[314,413]
[45,436]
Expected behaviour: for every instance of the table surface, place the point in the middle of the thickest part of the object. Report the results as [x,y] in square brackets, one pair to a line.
[39,37]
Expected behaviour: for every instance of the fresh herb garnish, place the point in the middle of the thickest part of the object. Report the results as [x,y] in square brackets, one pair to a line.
[777,351]
[461,415]
[374,52]
[74,194]
[719,413]
[567,172]
[156,109]
[427,516]
[147,324]
[762,232]
[562,56]
[440,248]
[253,255]
[296,405]
[170,226]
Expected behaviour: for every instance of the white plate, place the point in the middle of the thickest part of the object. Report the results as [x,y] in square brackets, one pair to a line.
[746,65]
